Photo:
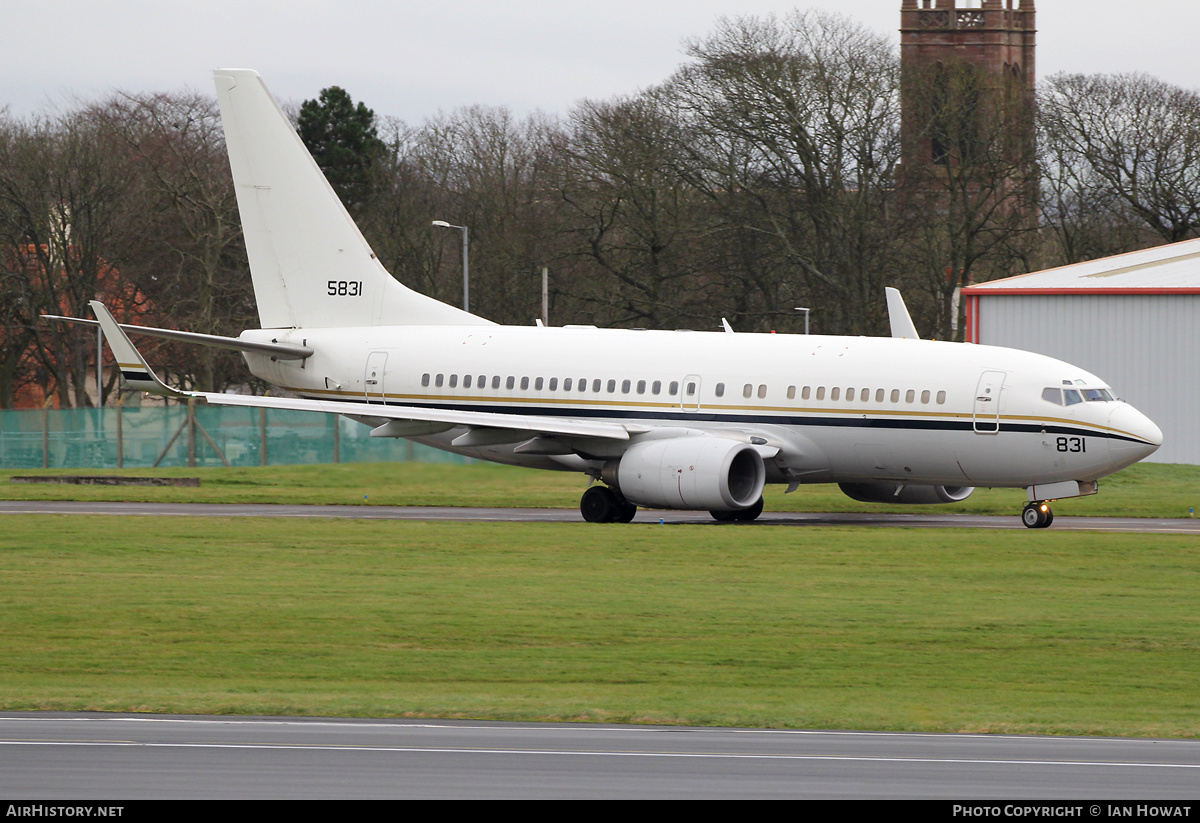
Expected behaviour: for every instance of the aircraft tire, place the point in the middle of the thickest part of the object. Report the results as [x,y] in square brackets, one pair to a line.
[749,513]
[598,505]
[1034,517]
[626,511]
[723,516]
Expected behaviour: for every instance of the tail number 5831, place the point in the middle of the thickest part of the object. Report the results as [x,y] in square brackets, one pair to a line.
[343,288]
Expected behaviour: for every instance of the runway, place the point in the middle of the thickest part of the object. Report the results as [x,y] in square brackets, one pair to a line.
[100,757]
[922,520]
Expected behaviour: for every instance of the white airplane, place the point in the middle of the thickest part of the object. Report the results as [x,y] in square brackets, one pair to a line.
[666,419]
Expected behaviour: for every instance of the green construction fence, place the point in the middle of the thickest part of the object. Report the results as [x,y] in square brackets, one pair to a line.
[198,435]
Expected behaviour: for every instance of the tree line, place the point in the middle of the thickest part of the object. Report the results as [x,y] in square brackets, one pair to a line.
[768,173]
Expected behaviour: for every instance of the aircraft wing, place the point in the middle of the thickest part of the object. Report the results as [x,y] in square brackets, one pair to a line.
[425,414]
[137,374]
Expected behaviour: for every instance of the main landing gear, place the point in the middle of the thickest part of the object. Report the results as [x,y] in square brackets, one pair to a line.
[1037,515]
[603,504]
[600,504]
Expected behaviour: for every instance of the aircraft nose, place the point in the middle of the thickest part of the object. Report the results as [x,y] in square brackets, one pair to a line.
[1140,437]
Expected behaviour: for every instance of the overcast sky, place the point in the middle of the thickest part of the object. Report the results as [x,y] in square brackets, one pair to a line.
[411,59]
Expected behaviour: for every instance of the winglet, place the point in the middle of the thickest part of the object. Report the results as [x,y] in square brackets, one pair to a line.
[902,324]
[135,373]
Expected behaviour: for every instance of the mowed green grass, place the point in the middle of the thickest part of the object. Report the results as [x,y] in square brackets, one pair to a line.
[1144,490]
[847,628]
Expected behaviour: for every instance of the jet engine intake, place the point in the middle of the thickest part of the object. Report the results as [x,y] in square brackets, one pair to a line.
[694,472]
[899,493]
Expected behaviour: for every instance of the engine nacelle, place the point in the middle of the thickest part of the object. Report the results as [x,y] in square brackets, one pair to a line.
[699,472]
[897,493]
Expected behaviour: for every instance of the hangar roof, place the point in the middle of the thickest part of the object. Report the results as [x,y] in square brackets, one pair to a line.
[1170,269]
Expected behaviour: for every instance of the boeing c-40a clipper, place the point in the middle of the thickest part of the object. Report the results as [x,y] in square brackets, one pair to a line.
[666,419]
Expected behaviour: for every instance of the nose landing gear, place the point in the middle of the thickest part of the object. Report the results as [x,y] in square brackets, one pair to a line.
[1037,515]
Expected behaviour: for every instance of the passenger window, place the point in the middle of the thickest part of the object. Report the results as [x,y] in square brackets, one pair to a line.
[641,387]
[879,395]
[454,381]
[524,384]
[537,384]
[624,387]
[425,379]
[925,397]
[747,390]
[909,396]
[566,384]
[762,390]
[495,381]
[941,398]
[791,393]
[804,393]
[691,389]
[720,390]
[895,395]
[612,386]
[466,381]
[596,386]
[437,381]
[820,392]
[849,394]
[656,387]
[510,382]
[674,389]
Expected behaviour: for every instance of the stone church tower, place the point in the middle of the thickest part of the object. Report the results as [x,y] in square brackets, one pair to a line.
[966,183]
[940,41]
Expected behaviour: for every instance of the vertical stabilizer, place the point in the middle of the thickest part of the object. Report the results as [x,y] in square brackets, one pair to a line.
[311,266]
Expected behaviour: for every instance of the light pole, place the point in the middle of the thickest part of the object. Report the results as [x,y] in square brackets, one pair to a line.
[466,265]
[806,311]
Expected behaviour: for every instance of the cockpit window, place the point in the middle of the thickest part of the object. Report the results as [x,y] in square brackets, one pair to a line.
[1069,397]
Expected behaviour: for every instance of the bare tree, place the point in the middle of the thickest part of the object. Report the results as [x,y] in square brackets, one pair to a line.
[1139,138]
[634,225]
[188,257]
[797,123]
[63,219]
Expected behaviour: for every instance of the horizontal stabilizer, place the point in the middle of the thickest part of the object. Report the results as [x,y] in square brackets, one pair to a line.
[280,351]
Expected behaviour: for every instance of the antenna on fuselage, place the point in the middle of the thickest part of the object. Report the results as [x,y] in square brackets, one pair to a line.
[902,324]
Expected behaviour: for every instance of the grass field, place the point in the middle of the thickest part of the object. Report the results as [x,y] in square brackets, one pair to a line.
[1144,490]
[938,630]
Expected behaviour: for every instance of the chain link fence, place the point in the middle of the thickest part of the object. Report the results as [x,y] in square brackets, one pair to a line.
[168,436]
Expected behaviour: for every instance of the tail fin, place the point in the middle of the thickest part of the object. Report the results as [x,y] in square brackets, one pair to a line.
[311,266]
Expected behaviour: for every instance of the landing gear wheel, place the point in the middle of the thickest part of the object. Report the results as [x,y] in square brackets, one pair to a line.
[598,505]
[1037,515]
[749,513]
[745,515]
[626,511]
